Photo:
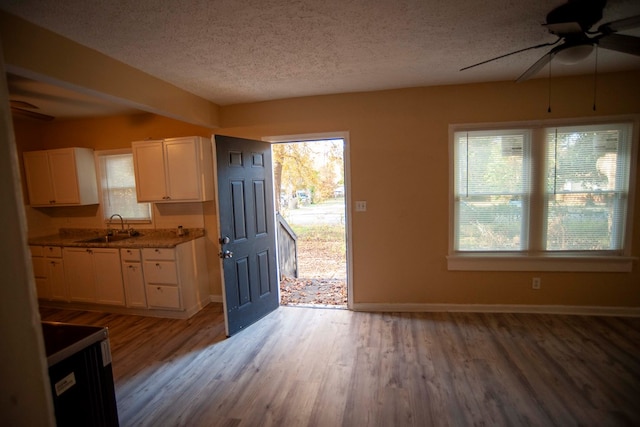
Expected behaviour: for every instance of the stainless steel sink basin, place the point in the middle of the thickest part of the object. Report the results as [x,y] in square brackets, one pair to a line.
[106,239]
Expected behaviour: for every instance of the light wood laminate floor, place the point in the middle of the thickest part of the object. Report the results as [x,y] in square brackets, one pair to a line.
[328,367]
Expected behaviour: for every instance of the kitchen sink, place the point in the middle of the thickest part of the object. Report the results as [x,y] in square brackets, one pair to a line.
[105,239]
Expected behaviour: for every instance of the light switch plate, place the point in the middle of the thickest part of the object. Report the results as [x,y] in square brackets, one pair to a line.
[361,206]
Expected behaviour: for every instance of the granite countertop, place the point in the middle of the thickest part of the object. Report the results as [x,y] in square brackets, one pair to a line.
[156,238]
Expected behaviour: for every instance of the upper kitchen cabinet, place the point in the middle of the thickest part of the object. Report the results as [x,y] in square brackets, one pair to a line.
[61,177]
[174,170]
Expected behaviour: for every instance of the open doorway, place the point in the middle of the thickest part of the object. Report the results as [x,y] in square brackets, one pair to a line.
[309,186]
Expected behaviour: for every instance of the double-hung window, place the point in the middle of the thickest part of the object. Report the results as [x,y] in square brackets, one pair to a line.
[118,186]
[553,196]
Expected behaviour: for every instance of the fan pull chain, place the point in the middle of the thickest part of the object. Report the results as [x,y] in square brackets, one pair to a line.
[595,79]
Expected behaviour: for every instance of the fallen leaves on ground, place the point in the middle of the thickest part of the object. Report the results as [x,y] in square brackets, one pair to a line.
[301,291]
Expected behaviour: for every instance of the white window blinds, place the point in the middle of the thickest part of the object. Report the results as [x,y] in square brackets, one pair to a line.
[579,201]
[119,188]
[587,187]
[491,190]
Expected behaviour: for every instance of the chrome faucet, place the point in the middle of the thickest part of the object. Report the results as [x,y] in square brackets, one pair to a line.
[121,221]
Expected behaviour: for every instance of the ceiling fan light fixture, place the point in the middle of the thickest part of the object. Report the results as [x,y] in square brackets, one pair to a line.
[574,54]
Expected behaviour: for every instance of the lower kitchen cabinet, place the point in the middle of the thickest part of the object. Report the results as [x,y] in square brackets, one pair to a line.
[164,282]
[48,269]
[133,278]
[160,267]
[94,275]
[176,278]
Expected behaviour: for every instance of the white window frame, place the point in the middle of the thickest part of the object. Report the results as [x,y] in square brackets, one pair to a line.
[536,259]
[98,163]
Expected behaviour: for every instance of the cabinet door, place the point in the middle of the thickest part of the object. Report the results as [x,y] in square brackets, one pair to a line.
[182,169]
[39,184]
[148,160]
[42,281]
[64,176]
[78,270]
[133,284]
[108,276]
[57,280]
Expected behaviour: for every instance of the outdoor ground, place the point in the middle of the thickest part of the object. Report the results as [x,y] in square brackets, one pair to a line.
[321,256]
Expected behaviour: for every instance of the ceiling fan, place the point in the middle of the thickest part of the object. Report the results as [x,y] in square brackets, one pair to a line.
[571,23]
[25,109]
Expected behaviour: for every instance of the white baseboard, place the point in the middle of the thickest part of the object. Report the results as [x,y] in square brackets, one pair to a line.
[500,308]
[216,298]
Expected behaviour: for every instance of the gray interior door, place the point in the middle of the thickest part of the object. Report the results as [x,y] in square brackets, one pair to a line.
[247,230]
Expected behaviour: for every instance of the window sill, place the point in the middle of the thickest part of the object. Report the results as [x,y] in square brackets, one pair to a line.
[550,262]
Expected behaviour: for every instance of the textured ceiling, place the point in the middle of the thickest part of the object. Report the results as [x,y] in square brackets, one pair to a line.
[236,51]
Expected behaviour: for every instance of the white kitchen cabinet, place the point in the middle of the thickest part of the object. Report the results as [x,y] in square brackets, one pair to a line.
[164,282]
[61,177]
[133,278]
[94,275]
[161,277]
[48,270]
[174,170]
[176,278]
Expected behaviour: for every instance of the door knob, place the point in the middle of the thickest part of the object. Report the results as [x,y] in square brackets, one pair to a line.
[224,240]
[226,254]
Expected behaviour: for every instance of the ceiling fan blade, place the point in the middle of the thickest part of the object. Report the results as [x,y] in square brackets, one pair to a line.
[537,66]
[22,104]
[511,53]
[620,43]
[31,114]
[620,25]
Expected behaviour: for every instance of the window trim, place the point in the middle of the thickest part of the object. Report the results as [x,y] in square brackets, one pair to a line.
[115,152]
[538,260]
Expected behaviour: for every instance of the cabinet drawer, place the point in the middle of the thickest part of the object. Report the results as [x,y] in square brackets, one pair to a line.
[158,253]
[53,251]
[163,296]
[130,254]
[163,272]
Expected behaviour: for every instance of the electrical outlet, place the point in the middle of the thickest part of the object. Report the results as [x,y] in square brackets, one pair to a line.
[536,283]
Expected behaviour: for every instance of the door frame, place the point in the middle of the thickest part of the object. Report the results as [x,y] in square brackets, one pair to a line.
[344,135]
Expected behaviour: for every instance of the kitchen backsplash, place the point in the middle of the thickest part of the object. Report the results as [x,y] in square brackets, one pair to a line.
[47,221]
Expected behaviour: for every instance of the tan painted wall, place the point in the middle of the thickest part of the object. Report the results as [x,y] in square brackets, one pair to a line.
[399,165]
